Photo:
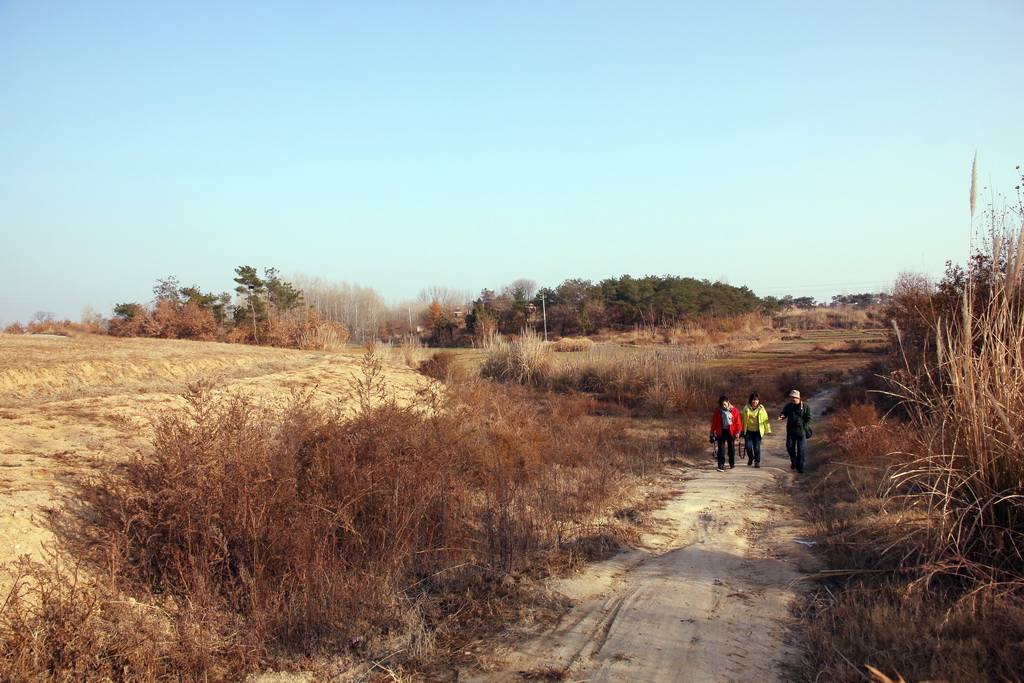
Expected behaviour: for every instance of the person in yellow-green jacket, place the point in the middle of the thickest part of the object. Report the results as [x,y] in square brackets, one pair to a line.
[755,425]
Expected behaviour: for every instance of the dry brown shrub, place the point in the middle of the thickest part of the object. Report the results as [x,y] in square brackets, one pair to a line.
[864,439]
[281,331]
[304,532]
[571,344]
[139,325]
[323,336]
[174,320]
[911,313]
[305,328]
[261,536]
[525,360]
[14,328]
[297,329]
[858,415]
[444,366]
[242,333]
[49,325]
[59,624]
[195,323]
[165,319]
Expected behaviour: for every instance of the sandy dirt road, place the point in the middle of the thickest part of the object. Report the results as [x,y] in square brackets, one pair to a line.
[705,597]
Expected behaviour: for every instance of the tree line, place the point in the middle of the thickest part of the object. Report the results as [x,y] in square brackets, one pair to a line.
[266,309]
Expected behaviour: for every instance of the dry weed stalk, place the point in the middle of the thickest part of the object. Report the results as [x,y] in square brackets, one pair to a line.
[879,677]
[974,184]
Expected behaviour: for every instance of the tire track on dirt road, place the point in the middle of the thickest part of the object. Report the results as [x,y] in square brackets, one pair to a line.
[704,598]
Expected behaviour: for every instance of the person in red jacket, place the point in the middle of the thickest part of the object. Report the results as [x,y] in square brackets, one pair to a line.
[725,427]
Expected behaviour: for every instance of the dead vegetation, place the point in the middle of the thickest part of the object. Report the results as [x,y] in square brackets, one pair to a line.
[250,536]
[653,380]
[920,510]
[387,541]
[871,607]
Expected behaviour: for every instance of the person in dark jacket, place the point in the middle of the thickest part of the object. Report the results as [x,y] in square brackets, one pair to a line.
[725,427]
[797,415]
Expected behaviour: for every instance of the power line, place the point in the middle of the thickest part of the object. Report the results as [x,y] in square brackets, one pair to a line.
[827,284]
[872,285]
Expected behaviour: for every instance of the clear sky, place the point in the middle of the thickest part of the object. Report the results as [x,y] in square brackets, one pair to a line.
[808,148]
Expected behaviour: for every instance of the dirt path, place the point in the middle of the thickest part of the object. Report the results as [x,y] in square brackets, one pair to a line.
[705,598]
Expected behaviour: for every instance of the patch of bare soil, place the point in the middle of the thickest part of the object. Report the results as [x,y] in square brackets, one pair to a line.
[704,597]
[72,405]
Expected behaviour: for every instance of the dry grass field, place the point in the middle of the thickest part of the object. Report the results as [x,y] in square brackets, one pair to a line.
[73,405]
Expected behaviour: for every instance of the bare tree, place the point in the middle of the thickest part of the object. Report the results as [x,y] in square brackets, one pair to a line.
[361,309]
[450,298]
[527,288]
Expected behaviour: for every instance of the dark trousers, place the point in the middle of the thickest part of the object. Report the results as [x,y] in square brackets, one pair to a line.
[796,446]
[753,447]
[726,439]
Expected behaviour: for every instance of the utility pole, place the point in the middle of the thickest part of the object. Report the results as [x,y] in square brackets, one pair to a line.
[544,309]
[255,336]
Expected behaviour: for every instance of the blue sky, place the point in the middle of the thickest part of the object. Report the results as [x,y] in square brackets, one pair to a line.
[792,147]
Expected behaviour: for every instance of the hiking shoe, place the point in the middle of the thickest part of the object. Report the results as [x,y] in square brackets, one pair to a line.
[720,469]
[757,464]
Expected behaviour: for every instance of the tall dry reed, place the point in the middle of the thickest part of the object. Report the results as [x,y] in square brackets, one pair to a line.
[526,359]
[657,379]
[971,479]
